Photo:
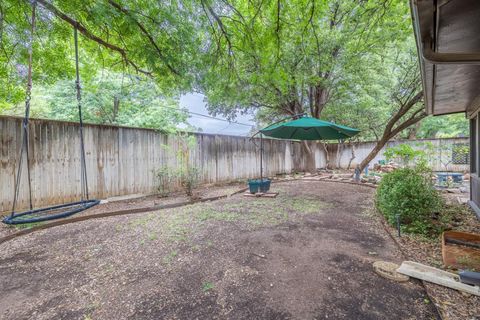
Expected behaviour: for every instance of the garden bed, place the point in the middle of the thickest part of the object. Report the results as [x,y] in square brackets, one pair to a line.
[451,303]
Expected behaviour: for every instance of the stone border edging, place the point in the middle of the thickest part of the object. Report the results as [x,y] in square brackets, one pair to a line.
[370,185]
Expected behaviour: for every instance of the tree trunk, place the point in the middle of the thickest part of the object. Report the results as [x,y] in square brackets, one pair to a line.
[393,126]
[338,156]
[310,155]
[327,155]
[380,144]
[353,156]
[412,132]
[116,106]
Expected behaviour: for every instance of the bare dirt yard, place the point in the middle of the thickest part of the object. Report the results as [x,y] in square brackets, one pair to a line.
[306,254]
[136,202]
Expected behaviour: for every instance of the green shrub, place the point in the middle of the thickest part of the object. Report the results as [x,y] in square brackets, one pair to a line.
[183,173]
[404,154]
[165,178]
[409,192]
[168,177]
[189,179]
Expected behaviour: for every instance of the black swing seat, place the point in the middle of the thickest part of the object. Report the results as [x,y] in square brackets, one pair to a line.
[58,211]
[50,213]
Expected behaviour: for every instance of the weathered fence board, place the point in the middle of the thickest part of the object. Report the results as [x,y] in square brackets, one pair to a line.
[124,160]
[438,153]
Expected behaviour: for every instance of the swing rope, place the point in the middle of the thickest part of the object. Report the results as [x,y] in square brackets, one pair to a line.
[58,211]
[25,132]
[84,181]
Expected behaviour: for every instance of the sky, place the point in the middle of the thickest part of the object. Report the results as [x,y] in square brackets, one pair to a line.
[194,102]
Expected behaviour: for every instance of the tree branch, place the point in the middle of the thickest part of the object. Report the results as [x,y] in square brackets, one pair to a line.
[90,35]
[407,123]
[146,33]
[402,111]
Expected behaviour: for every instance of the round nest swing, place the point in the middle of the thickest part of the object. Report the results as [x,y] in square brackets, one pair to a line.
[57,211]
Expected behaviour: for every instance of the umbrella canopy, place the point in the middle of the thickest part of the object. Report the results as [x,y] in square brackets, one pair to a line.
[308,128]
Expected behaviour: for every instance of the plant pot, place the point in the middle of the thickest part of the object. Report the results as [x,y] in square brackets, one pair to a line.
[460,250]
[257,185]
[253,186]
[265,185]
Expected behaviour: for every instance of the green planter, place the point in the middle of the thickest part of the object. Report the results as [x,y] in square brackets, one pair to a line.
[265,185]
[253,186]
[257,185]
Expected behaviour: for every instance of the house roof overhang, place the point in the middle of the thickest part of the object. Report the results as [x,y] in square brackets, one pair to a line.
[447,33]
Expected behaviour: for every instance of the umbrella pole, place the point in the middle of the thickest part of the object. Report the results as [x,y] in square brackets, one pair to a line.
[261,157]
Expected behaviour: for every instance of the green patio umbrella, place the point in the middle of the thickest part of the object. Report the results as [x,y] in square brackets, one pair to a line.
[304,128]
[308,128]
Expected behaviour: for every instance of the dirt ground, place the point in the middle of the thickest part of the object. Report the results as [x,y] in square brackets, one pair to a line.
[306,254]
[126,203]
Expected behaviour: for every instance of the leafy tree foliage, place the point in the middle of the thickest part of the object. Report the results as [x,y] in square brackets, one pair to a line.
[454,125]
[108,98]
[292,57]
[157,40]
[348,61]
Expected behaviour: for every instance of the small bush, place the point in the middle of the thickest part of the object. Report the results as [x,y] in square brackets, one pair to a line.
[409,192]
[183,173]
[404,154]
[189,179]
[165,178]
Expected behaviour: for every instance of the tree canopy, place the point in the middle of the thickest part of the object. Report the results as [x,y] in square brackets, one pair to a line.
[348,61]
[293,56]
[108,98]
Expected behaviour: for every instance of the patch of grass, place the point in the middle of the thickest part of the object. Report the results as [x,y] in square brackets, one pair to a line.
[179,223]
[207,286]
[28,225]
[212,214]
[152,236]
[256,212]
[142,222]
[169,257]
[268,217]
[306,206]
[235,206]
[175,226]
[91,308]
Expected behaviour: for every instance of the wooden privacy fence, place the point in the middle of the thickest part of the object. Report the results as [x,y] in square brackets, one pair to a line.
[449,154]
[123,161]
